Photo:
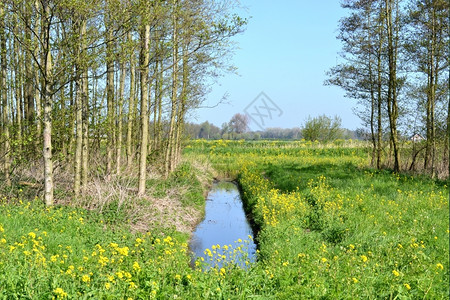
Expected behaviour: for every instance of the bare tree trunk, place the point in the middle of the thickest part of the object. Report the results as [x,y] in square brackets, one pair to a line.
[144,60]
[81,103]
[79,140]
[392,87]
[109,97]
[379,93]
[168,163]
[120,118]
[131,106]
[157,133]
[29,93]
[4,97]
[372,110]
[72,134]
[18,91]
[37,92]
[85,122]
[48,103]
[182,108]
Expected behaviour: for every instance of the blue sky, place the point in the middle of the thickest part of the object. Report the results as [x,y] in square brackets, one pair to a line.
[285,51]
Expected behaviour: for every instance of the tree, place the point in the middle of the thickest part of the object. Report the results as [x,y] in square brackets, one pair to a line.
[4,98]
[239,123]
[322,128]
[362,75]
[429,56]
[62,58]
[144,59]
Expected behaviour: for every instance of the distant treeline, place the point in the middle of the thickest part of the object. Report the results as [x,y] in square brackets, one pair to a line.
[210,131]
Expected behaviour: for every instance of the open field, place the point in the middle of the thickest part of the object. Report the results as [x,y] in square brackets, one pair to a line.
[331,227]
[328,227]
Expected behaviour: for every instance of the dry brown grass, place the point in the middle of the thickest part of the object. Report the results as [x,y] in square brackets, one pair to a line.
[117,197]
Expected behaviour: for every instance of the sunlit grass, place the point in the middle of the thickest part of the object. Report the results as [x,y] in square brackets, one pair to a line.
[329,227]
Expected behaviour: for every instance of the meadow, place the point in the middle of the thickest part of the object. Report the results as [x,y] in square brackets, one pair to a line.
[328,227]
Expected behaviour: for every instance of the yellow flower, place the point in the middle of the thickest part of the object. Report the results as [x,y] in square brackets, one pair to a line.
[407,286]
[103,260]
[354,280]
[85,278]
[136,266]
[363,258]
[60,293]
[32,235]
[324,259]
[396,273]
[107,285]
[440,266]
[123,251]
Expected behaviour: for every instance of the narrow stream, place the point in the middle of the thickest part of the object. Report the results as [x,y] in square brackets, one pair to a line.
[225,234]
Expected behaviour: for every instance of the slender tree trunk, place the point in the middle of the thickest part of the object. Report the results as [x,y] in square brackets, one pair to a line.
[372,95]
[109,97]
[4,98]
[71,137]
[29,93]
[144,60]
[392,87]
[379,95]
[157,109]
[120,118]
[435,71]
[182,109]
[131,106]
[79,139]
[85,122]
[168,163]
[18,91]
[37,92]
[65,112]
[81,103]
[48,103]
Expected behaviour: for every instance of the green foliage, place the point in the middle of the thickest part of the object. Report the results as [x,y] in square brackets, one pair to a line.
[322,128]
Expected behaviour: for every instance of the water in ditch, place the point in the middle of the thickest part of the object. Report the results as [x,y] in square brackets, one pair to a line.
[225,235]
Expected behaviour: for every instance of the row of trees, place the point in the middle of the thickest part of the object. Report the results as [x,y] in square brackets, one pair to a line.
[107,78]
[320,128]
[396,64]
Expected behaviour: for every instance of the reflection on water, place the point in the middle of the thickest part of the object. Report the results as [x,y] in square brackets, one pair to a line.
[225,234]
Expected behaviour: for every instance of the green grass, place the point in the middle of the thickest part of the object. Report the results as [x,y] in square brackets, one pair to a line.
[329,228]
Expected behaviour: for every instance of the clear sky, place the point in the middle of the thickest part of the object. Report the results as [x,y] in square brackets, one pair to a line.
[285,51]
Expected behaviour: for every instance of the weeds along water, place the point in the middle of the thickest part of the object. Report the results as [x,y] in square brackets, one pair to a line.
[329,227]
